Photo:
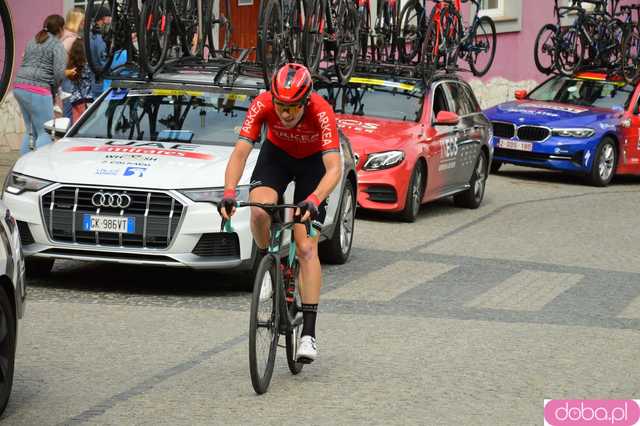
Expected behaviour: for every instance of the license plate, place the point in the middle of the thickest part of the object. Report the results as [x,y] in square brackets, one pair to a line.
[116,224]
[516,145]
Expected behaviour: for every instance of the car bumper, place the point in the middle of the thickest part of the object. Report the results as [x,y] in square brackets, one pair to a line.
[563,154]
[194,242]
[384,190]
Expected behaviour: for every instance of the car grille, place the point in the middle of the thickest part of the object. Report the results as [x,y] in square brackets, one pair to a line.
[533,133]
[219,244]
[157,216]
[503,130]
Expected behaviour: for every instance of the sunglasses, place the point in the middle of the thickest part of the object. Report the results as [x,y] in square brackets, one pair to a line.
[290,108]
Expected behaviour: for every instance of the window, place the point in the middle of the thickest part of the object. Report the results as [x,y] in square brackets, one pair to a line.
[439,101]
[70,4]
[507,14]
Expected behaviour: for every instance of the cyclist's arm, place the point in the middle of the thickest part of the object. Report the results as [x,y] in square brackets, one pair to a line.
[333,174]
[236,164]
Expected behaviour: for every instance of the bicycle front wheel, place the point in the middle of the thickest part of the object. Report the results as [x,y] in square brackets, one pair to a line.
[482,46]
[545,52]
[7,49]
[347,46]
[271,40]
[571,54]
[93,29]
[313,37]
[264,323]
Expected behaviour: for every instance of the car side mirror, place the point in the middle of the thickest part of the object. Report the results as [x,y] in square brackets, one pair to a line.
[447,118]
[57,127]
[521,94]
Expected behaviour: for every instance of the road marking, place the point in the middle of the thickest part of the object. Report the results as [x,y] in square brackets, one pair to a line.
[526,291]
[389,282]
[632,311]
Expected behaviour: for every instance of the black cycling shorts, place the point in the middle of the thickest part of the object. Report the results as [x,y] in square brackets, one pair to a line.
[276,169]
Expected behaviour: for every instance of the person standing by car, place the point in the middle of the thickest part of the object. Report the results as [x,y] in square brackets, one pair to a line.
[303,146]
[81,83]
[74,22]
[41,72]
[99,48]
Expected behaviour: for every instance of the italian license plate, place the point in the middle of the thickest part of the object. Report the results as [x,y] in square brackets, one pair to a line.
[516,145]
[116,224]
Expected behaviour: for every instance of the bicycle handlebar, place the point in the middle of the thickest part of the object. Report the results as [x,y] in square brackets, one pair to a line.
[271,210]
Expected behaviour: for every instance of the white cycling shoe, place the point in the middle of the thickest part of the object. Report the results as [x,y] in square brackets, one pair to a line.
[307,350]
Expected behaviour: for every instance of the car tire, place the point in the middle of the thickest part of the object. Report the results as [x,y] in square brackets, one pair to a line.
[7,348]
[495,166]
[337,249]
[604,163]
[38,267]
[414,194]
[472,197]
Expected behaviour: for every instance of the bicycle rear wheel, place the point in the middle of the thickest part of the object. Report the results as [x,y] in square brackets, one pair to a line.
[155,31]
[482,48]
[346,54]
[364,17]
[631,55]
[294,312]
[411,19]
[571,54]
[264,324]
[271,40]
[313,38]
[7,49]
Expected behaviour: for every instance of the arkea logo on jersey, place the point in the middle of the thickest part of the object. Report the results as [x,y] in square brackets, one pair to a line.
[325,128]
[253,112]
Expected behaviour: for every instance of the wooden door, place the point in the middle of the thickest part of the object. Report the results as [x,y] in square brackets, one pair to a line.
[244,19]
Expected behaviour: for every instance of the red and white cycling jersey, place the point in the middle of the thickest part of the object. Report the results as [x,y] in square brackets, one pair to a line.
[316,132]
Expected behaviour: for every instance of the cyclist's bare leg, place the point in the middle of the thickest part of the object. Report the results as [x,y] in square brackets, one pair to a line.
[260,220]
[310,271]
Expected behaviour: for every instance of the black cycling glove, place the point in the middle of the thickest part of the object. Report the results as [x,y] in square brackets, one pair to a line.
[228,202]
[310,204]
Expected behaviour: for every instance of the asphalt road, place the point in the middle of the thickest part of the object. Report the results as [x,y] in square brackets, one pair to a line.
[465,317]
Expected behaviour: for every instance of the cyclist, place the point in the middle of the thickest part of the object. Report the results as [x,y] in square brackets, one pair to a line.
[302,145]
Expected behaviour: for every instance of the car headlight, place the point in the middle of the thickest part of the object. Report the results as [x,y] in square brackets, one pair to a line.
[16,184]
[383,160]
[214,195]
[574,133]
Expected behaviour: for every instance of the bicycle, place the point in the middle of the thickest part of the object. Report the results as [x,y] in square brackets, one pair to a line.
[631,44]
[277,286]
[331,35]
[280,33]
[7,49]
[186,26]
[386,47]
[117,35]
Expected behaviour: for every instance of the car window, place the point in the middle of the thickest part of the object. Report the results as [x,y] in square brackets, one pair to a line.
[206,118]
[471,100]
[583,92]
[402,102]
[440,102]
[459,100]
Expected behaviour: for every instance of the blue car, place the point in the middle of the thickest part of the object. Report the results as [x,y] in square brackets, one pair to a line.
[587,124]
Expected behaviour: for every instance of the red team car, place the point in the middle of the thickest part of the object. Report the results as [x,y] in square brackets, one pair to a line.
[414,142]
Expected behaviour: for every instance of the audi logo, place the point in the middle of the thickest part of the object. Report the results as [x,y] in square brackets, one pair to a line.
[107,199]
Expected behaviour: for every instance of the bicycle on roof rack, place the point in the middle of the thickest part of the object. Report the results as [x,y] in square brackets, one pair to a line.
[7,49]
[630,61]
[186,28]
[446,39]
[594,40]
[331,38]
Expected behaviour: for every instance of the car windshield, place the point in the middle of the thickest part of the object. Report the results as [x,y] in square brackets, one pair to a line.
[157,115]
[583,92]
[376,98]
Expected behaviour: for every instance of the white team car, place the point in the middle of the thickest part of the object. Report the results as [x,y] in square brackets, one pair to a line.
[12,299]
[133,181]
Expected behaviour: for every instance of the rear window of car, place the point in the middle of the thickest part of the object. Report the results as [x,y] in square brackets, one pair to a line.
[377,98]
[202,118]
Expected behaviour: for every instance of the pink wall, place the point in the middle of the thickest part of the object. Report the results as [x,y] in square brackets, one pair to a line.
[28,16]
[514,53]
